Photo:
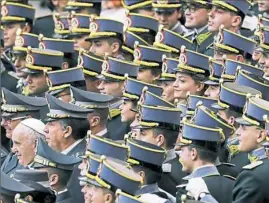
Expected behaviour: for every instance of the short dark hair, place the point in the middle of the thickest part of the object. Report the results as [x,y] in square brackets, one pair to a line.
[170,136]
[102,113]
[64,175]
[149,37]
[234,112]
[107,191]
[206,154]
[79,126]
[42,197]
[151,175]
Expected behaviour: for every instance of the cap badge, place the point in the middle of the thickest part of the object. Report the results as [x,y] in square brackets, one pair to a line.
[4,11]
[93,27]
[29,59]
[137,54]
[19,42]
[105,66]
[42,45]
[183,59]
[219,38]
[159,37]
[74,23]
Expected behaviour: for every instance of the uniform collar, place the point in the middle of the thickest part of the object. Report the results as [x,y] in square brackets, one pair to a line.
[171,154]
[257,154]
[178,28]
[68,149]
[151,188]
[102,132]
[203,171]
[200,30]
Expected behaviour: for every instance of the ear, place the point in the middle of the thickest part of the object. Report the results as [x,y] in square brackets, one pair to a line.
[143,175]
[67,131]
[108,198]
[231,120]
[236,20]
[200,86]
[262,136]
[240,58]
[115,47]
[160,140]
[156,77]
[53,180]
[26,28]
[95,120]
[65,65]
[122,86]
[179,14]
[194,154]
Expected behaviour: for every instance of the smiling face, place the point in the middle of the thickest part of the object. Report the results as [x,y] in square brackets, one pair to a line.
[263,5]
[111,88]
[10,123]
[196,17]
[249,138]
[23,144]
[168,91]
[168,19]
[10,34]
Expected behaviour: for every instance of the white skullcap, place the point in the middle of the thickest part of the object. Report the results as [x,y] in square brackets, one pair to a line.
[34,124]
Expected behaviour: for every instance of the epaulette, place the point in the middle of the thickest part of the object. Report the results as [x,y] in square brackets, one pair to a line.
[25,90]
[227,164]
[202,37]
[230,177]
[13,74]
[253,165]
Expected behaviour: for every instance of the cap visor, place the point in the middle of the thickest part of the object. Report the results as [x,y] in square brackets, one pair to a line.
[29,71]
[7,114]
[242,121]
[210,82]
[216,106]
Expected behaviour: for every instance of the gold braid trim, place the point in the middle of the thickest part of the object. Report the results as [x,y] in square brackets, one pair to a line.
[131,96]
[127,49]
[225,5]
[61,31]
[135,29]
[148,124]
[13,109]
[79,4]
[12,18]
[154,5]
[168,75]
[102,34]
[225,47]
[135,6]
[38,67]
[113,76]
[144,63]
[164,46]
[223,105]
[50,115]
[114,112]
[226,76]
[59,87]
[254,122]
[189,68]
[90,73]
[80,30]
[18,48]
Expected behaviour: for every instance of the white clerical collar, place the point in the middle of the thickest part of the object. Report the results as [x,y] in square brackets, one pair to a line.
[68,149]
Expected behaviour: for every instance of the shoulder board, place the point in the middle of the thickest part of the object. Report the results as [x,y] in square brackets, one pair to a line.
[227,164]
[210,46]
[253,165]
[13,74]
[230,177]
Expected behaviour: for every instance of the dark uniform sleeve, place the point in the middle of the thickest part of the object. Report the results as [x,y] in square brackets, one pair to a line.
[247,188]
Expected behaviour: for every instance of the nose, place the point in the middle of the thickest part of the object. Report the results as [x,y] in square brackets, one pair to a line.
[175,84]
[92,49]
[210,13]
[101,86]
[262,60]
[83,190]
[17,63]
[28,79]
[238,131]
[207,92]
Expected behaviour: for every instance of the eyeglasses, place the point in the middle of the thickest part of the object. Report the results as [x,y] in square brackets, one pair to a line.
[192,8]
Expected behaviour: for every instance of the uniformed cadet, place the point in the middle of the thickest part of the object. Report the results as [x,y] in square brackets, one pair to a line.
[147,160]
[6,75]
[106,37]
[66,126]
[203,116]
[192,70]
[171,41]
[150,61]
[128,47]
[64,45]
[132,92]
[19,52]
[229,13]
[16,108]
[59,168]
[168,14]
[88,7]
[199,150]
[10,187]
[99,103]
[105,176]
[144,26]
[113,77]
[139,6]
[62,25]
[263,7]
[60,82]
[233,45]
[37,180]
[230,106]
[216,69]
[80,30]
[45,24]
[92,67]
[159,125]
[38,62]
[264,59]
[196,13]
[14,16]
[167,79]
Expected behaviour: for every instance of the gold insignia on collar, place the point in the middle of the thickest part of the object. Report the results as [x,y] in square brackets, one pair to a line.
[19,42]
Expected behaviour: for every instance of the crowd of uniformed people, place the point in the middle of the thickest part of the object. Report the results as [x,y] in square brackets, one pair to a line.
[167,104]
